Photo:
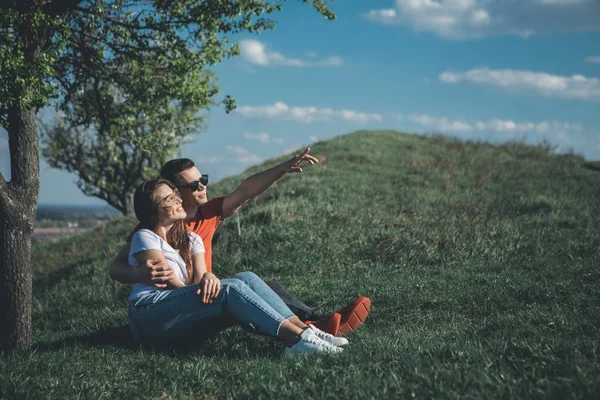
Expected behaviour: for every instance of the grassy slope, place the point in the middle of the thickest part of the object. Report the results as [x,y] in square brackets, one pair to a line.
[481,262]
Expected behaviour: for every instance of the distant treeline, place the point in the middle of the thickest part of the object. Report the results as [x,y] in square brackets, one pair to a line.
[82,215]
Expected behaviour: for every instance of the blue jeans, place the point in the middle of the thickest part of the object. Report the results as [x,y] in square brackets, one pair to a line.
[169,318]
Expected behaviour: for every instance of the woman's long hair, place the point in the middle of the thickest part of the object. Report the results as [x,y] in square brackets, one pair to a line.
[147,211]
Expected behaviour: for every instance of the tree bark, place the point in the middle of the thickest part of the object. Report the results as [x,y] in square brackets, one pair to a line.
[18,204]
[127,206]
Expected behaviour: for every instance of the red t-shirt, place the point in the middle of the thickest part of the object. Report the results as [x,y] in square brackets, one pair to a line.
[205,223]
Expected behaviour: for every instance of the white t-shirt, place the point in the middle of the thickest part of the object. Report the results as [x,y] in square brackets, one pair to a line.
[145,239]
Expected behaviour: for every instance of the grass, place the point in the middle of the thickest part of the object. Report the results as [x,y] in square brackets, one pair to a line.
[482,263]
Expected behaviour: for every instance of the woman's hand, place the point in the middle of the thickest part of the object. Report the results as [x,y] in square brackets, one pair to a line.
[209,287]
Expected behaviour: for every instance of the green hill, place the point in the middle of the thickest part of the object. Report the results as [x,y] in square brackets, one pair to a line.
[481,261]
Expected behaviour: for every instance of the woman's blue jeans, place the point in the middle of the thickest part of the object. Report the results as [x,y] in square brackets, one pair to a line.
[169,318]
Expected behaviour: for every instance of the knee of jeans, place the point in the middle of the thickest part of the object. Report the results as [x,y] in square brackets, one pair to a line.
[235,284]
[246,276]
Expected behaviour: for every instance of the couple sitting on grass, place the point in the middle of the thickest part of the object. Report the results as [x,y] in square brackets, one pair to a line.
[176,298]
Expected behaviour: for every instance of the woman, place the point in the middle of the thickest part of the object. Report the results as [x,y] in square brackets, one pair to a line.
[205,304]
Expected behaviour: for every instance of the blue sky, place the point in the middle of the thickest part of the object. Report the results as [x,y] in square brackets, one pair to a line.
[486,69]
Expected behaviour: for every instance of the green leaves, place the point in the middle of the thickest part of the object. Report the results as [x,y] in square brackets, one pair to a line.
[113,150]
[30,45]
[128,78]
[51,49]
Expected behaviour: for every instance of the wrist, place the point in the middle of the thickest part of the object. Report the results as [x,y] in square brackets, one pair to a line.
[283,168]
[136,275]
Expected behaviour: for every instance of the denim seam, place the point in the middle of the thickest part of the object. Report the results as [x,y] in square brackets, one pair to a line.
[291,314]
[258,306]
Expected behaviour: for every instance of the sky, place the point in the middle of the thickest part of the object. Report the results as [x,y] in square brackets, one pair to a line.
[495,70]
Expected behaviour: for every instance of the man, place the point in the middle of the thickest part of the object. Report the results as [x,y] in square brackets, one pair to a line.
[204,217]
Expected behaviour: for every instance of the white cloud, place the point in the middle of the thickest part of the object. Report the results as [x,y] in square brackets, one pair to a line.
[333,61]
[313,139]
[560,2]
[542,128]
[555,129]
[260,137]
[243,156]
[383,15]
[256,52]
[441,124]
[282,111]
[570,87]
[460,19]
[292,149]
[205,160]
[593,60]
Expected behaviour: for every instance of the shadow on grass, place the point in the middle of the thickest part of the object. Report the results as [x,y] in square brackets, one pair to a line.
[232,344]
[52,278]
[119,337]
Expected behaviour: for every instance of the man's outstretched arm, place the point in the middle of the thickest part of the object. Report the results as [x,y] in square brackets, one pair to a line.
[258,183]
[154,272]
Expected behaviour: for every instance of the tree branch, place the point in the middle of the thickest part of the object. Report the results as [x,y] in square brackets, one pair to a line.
[120,48]
[3,115]
[3,189]
[54,7]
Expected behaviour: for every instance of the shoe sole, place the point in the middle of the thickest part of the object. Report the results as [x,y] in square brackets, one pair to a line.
[303,353]
[334,324]
[358,313]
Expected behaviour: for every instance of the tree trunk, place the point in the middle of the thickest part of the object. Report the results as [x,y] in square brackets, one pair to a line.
[18,204]
[127,206]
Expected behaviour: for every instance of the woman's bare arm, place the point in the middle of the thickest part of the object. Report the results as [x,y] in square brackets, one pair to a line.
[151,272]
[199,267]
[209,285]
[142,257]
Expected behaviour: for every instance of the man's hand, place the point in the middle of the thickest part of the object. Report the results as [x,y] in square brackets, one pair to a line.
[293,164]
[258,183]
[154,273]
[209,287]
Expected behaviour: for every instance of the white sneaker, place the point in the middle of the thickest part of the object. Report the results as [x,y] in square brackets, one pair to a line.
[310,343]
[328,337]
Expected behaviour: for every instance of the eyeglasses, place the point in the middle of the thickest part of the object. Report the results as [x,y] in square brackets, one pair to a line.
[171,200]
[194,185]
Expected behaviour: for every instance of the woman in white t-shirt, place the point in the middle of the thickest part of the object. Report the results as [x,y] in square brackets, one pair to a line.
[196,304]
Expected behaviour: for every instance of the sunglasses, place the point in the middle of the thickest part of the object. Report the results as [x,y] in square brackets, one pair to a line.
[194,185]
[171,200]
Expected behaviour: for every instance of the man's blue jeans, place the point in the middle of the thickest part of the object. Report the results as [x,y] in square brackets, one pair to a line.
[169,318]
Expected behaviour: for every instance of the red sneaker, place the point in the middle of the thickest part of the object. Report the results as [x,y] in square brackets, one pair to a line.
[329,324]
[354,314]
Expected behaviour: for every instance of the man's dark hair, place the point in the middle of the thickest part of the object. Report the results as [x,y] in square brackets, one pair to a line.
[172,168]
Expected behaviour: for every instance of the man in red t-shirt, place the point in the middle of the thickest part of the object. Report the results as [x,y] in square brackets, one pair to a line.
[204,217]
